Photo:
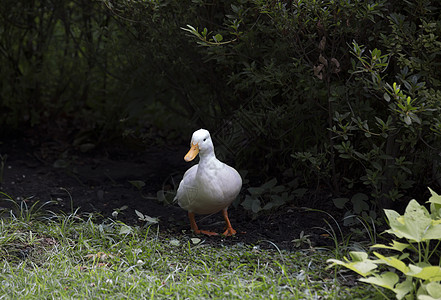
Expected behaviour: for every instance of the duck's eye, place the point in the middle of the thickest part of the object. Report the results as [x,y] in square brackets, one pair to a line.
[205,139]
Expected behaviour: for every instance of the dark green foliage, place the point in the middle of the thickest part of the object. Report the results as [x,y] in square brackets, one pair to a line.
[339,94]
[56,61]
[356,117]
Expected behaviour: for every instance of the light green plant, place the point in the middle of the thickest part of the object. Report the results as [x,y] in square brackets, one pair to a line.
[414,275]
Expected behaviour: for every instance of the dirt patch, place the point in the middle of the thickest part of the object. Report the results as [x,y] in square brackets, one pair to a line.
[99,182]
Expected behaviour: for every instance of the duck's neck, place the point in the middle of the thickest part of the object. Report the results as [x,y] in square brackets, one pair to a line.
[207,158]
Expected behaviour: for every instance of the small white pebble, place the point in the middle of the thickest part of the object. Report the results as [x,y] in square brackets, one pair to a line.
[140,262]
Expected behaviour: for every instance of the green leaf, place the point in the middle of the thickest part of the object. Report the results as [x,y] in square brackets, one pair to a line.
[268,206]
[387,280]
[340,202]
[278,200]
[434,231]
[403,288]
[413,225]
[359,197]
[256,191]
[434,289]
[349,218]
[430,273]
[360,263]
[60,164]
[359,202]
[125,230]
[192,30]
[415,118]
[137,183]
[393,262]
[195,241]
[393,246]
[145,218]
[218,38]
[436,199]
[247,202]
[150,220]
[255,206]
[435,204]
[278,189]
[175,242]
[427,297]
[269,184]
[377,166]
[358,255]
[139,214]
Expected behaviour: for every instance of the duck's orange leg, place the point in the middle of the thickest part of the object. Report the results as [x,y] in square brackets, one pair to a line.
[230,231]
[195,228]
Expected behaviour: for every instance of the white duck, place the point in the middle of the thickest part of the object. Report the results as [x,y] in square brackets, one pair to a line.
[209,186]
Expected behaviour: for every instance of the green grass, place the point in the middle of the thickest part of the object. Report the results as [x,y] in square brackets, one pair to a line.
[67,256]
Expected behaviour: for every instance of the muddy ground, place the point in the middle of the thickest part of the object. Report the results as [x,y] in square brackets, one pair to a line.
[99,181]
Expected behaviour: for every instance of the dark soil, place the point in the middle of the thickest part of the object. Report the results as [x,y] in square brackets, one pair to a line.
[98,182]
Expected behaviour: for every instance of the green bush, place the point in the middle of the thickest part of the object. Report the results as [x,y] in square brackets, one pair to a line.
[351,116]
[58,69]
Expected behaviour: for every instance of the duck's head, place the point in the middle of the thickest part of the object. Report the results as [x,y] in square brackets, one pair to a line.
[200,143]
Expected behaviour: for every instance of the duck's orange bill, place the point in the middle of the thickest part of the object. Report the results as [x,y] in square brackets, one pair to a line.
[192,153]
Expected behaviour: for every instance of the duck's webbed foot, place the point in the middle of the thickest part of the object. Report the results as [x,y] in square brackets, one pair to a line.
[195,228]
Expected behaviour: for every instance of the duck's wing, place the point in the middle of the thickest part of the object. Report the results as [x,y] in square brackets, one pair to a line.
[231,183]
[186,187]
